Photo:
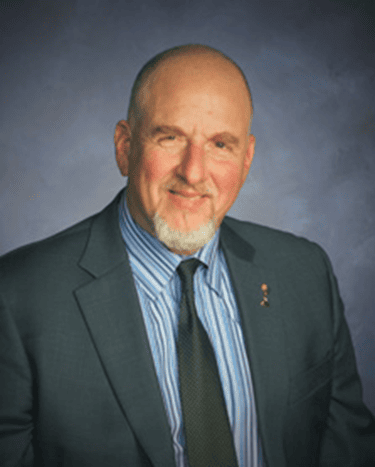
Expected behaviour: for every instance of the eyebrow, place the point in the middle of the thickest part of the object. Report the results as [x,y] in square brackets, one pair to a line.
[164,129]
[168,129]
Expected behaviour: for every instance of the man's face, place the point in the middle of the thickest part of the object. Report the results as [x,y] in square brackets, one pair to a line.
[191,152]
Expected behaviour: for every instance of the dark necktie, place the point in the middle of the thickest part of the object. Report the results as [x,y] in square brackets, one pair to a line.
[208,435]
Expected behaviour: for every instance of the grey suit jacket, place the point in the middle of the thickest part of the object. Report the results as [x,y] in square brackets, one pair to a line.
[77,382]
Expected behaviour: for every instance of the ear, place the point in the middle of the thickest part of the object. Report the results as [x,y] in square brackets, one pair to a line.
[249,156]
[122,146]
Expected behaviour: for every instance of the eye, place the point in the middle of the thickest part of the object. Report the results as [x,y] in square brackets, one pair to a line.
[167,139]
[220,144]
[171,141]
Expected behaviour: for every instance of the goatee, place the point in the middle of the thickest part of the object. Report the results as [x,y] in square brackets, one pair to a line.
[183,241]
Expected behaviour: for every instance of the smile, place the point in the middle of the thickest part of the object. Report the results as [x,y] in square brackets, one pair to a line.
[186,200]
[186,194]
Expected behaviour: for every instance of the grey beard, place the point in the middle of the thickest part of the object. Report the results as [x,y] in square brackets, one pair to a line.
[183,241]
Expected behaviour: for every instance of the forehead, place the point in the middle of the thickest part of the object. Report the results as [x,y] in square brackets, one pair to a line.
[207,83]
[201,69]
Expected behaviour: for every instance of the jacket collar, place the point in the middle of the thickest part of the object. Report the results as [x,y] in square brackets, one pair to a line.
[111,310]
[263,334]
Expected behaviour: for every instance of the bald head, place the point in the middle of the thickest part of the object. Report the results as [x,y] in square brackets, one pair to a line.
[185,63]
[186,147]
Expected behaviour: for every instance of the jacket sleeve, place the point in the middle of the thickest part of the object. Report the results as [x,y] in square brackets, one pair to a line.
[16,389]
[349,435]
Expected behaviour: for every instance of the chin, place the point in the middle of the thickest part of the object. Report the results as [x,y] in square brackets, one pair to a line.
[175,239]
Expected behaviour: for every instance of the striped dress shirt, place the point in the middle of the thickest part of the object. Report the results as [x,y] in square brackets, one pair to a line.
[159,291]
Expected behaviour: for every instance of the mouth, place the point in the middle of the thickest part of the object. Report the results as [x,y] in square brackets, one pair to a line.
[187,194]
[184,199]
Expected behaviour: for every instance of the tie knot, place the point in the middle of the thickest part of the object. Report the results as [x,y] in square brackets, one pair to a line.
[186,270]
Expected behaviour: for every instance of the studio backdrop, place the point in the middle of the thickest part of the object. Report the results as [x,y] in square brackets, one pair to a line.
[67,67]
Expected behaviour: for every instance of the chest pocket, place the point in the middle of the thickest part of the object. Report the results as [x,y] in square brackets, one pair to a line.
[305,384]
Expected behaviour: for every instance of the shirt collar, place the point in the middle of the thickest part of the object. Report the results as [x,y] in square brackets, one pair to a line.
[153,264]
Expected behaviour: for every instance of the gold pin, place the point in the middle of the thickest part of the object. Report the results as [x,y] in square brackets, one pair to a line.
[265,291]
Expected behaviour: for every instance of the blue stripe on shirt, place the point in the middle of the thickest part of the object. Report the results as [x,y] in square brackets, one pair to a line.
[158,287]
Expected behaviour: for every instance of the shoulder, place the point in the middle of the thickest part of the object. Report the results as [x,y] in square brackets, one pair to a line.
[272,246]
[262,236]
[37,258]
[63,248]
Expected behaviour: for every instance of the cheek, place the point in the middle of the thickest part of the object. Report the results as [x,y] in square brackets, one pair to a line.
[228,179]
[155,168]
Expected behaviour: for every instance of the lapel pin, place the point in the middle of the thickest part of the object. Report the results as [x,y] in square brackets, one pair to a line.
[265,292]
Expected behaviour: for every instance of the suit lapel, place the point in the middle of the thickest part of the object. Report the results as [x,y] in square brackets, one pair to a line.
[264,339]
[110,307]
[111,311]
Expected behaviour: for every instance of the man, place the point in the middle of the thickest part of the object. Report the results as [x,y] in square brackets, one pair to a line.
[93,363]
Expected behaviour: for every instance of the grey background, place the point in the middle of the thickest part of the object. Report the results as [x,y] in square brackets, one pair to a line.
[66,72]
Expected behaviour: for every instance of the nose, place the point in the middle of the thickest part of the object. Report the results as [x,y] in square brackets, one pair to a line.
[192,168]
